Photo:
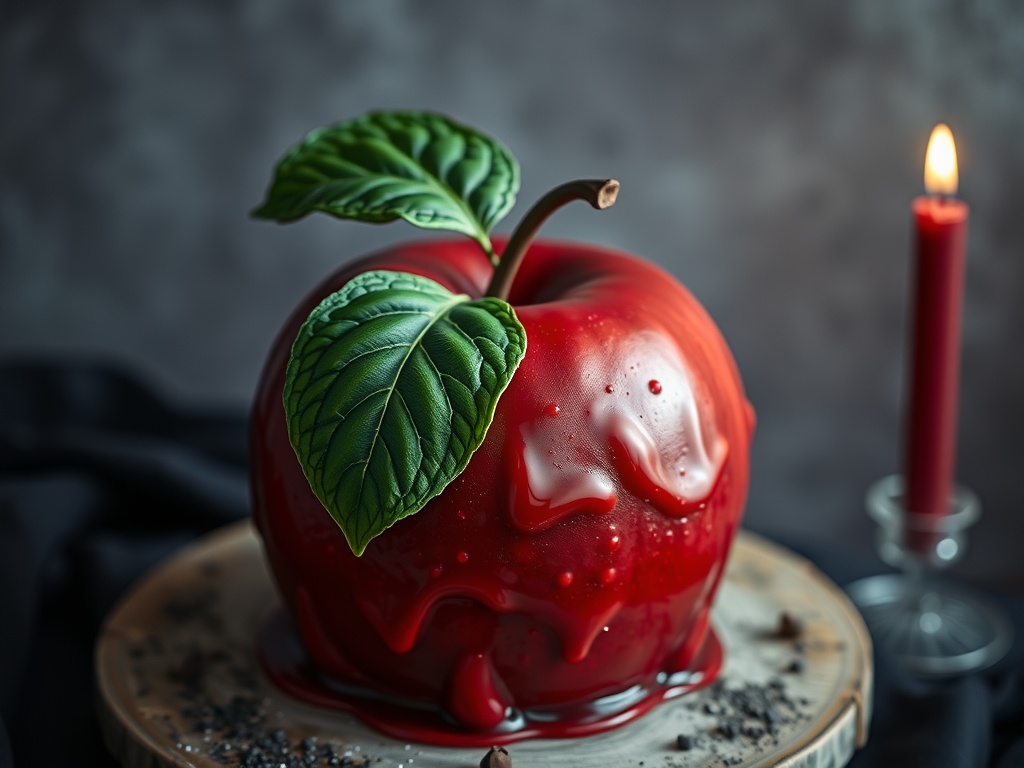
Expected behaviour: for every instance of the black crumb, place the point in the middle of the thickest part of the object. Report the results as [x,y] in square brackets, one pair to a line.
[685,742]
[731,728]
[237,731]
[753,732]
[796,666]
[752,712]
[790,627]
[239,734]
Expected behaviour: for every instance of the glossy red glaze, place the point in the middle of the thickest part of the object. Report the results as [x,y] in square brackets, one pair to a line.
[578,554]
[285,660]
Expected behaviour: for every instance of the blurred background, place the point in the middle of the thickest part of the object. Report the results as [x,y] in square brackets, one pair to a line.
[768,154]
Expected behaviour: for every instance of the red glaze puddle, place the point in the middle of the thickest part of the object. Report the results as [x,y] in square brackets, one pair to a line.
[285,662]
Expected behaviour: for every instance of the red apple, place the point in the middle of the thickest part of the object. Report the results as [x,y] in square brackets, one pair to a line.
[577,555]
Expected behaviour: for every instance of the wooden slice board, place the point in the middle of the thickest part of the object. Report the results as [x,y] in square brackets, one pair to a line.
[180,684]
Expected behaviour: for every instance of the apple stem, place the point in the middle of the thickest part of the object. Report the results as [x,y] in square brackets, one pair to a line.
[599,193]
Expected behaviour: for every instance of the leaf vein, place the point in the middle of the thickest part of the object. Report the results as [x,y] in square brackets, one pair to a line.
[401,367]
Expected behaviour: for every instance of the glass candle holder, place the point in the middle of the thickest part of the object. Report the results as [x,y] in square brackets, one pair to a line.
[930,626]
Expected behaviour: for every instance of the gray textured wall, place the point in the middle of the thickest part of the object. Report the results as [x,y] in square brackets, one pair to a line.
[768,153]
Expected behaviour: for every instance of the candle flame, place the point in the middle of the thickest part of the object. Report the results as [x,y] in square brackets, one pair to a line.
[940,170]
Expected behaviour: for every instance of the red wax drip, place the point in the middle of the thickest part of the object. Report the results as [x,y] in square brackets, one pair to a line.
[474,696]
[285,662]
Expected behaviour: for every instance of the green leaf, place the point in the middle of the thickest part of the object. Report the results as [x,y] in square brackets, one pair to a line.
[418,166]
[390,388]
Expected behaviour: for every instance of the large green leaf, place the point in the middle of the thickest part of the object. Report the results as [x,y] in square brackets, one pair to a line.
[391,386]
[418,166]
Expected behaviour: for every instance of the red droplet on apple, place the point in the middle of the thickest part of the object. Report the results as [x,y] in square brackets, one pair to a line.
[655,386]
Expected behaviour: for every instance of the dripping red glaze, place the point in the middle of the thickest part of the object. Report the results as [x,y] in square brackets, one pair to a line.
[575,559]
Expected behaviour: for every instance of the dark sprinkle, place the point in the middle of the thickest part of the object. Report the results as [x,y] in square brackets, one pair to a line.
[731,728]
[753,732]
[796,666]
[790,627]
[238,731]
[242,737]
[751,713]
[685,742]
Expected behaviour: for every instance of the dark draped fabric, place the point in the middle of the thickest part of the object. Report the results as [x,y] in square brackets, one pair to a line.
[100,479]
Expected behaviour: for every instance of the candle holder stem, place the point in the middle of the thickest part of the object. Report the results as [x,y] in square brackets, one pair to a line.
[931,627]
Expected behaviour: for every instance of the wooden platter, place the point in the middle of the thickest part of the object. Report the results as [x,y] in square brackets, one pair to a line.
[180,684]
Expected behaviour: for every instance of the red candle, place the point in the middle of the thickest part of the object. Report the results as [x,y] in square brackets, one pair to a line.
[940,223]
